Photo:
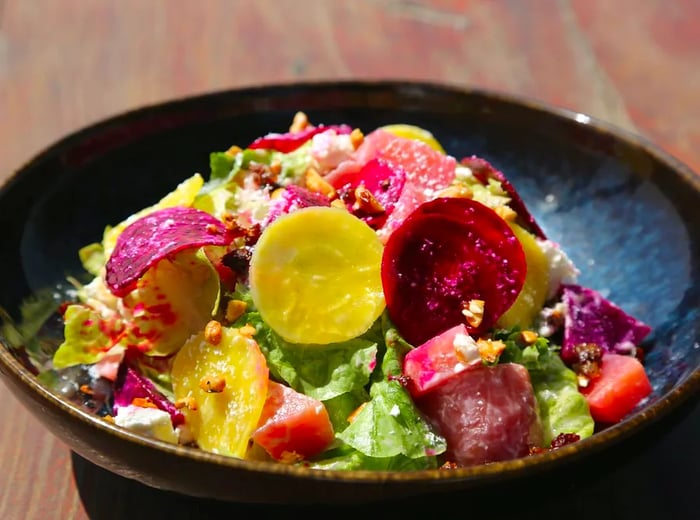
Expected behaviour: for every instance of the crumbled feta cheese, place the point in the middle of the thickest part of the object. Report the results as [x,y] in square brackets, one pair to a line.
[561,269]
[152,422]
[330,149]
[395,411]
[467,350]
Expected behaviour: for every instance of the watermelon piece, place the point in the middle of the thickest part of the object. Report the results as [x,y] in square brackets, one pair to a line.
[384,180]
[449,252]
[484,171]
[440,358]
[622,384]
[131,385]
[427,172]
[591,318]
[292,424]
[290,141]
[487,414]
[155,236]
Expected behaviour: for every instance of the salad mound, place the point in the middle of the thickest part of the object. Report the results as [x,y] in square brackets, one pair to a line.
[343,301]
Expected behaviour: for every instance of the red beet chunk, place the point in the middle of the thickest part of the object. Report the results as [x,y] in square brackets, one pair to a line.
[484,171]
[486,414]
[591,318]
[153,237]
[132,385]
[290,141]
[448,252]
[382,179]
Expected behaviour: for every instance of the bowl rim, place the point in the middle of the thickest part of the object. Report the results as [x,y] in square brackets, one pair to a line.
[668,402]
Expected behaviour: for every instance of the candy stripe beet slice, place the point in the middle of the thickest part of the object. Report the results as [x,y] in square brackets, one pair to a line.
[155,236]
[290,141]
[483,171]
[448,252]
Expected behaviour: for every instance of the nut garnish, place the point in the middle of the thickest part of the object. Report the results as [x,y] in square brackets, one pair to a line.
[247,330]
[365,201]
[212,332]
[299,123]
[235,309]
[528,337]
[213,384]
[316,183]
[188,402]
[490,349]
[356,138]
[473,311]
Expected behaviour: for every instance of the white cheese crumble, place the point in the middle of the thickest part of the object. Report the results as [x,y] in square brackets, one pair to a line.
[330,149]
[467,351]
[152,422]
[561,269]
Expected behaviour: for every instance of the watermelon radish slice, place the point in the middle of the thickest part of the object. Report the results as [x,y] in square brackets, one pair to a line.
[294,197]
[290,141]
[155,236]
[448,252]
[484,171]
[590,318]
[382,179]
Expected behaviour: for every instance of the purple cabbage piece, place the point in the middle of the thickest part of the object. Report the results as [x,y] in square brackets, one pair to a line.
[294,197]
[590,318]
[131,384]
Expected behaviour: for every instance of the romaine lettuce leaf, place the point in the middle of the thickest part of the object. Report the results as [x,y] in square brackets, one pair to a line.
[87,337]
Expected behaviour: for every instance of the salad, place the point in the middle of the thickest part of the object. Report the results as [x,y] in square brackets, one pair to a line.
[343,300]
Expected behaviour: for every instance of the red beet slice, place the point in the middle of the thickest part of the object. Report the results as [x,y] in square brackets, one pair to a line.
[384,180]
[290,141]
[131,385]
[448,252]
[590,318]
[155,236]
[484,171]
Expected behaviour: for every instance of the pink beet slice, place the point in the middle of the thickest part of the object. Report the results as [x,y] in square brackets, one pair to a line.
[484,171]
[290,141]
[155,236]
[487,414]
[591,318]
[382,179]
[448,252]
[294,197]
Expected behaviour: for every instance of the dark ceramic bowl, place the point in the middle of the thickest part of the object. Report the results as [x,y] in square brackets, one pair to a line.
[627,214]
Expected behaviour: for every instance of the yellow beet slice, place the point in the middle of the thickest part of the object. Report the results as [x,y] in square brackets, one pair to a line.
[534,292]
[315,276]
[415,132]
[221,416]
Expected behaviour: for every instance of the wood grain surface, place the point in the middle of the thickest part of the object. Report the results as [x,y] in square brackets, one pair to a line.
[68,63]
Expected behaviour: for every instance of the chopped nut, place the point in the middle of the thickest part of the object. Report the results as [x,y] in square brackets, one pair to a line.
[490,349]
[143,402]
[356,138]
[528,337]
[212,332]
[506,213]
[299,123]
[458,191]
[212,229]
[449,465]
[234,150]
[353,415]
[213,385]
[365,201]
[314,182]
[188,402]
[235,309]
[85,389]
[109,419]
[276,167]
[247,330]
[473,310]
[589,357]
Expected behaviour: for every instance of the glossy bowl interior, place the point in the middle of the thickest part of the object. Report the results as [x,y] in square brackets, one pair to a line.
[625,212]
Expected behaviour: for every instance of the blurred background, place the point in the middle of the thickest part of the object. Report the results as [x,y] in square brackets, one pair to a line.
[65,64]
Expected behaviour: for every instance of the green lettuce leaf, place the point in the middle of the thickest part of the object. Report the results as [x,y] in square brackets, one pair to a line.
[85,338]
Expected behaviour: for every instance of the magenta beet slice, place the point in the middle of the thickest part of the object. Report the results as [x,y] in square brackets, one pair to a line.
[294,197]
[448,252]
[384,180]
[591,318]
[131,384]
[290,141]
[484,171]
[155,236]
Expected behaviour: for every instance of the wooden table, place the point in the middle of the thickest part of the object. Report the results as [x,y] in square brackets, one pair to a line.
[68,63]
